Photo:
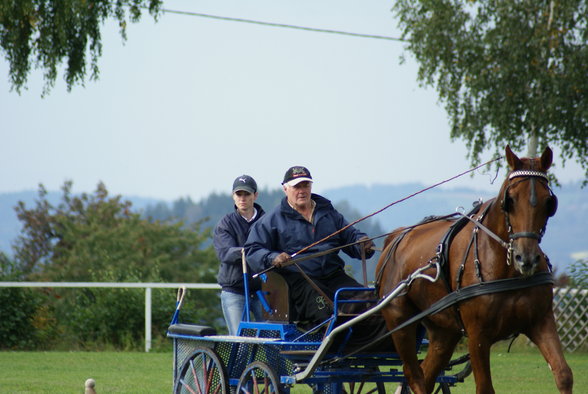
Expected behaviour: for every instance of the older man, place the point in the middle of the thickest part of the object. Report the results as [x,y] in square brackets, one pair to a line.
[301,219]
[229,237]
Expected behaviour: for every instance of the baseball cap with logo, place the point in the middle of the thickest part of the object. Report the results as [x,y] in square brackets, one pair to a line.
[295,175]
[245,183]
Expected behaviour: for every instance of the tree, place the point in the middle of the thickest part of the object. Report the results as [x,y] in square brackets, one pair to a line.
[47,33]
[579,273]
[508,72]
[19,306]
[98,238]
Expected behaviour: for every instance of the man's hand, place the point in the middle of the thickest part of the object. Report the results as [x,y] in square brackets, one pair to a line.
[367,244]
[281,259]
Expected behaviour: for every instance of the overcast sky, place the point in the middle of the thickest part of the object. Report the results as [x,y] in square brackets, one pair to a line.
[189,103]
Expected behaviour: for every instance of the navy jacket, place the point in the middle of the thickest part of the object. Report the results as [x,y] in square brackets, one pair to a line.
[228,238]
[285,230]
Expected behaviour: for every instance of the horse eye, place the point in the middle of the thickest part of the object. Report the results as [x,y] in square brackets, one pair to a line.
[507,203]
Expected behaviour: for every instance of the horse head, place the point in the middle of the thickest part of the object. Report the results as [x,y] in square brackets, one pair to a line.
[527,203]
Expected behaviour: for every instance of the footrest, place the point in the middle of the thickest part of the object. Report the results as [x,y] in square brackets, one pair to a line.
[191,329]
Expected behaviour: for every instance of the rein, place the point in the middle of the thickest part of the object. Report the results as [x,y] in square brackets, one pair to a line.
[394,203]
[455,297]
[306,248]
[319,254]
[460,211]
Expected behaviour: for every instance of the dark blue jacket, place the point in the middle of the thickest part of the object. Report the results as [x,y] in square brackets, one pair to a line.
[285,230]
[228,238]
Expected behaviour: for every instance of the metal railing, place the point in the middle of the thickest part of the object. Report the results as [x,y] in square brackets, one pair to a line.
[569,305]
[146,286]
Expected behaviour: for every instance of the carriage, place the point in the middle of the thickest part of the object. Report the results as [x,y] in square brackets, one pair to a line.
[273,356]
[480,274]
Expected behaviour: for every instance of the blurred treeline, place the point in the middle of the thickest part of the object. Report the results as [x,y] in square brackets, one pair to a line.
[96,237]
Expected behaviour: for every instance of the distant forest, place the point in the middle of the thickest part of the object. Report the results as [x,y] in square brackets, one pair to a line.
[210,210]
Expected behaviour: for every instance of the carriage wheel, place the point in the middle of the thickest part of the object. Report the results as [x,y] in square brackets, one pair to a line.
[203,372]
[365,388]
[259,378]
[441,388]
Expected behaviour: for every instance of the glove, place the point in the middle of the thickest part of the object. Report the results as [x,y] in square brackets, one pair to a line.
[367,244]
[281,259]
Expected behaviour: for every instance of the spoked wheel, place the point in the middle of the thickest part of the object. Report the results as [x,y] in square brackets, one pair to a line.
[440,388]
[364,388]
[203,372]
[259,378]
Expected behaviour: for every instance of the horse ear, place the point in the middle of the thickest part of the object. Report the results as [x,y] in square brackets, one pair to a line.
[513,161]
[546,158]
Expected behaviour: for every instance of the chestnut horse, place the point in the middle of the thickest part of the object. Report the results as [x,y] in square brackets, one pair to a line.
[500,242]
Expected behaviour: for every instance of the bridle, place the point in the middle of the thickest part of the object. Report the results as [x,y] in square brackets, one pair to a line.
[526,175]
[532,176]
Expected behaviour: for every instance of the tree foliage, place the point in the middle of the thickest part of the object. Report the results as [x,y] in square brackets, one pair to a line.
[98,238]
[18,306]
[95,237]
[49,33]
[579,273]
[211,209]
[508,72]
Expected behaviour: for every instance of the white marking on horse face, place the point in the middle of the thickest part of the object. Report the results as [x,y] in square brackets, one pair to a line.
[526,259]
[525,269]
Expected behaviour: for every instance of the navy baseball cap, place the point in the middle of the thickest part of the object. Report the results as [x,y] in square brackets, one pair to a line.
[245,183]
[295,175]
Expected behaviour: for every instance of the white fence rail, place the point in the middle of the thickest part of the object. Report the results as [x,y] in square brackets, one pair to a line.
[570,306]
[146,286]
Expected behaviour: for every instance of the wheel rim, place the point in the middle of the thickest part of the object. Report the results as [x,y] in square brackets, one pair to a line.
[203,372]
[258,378]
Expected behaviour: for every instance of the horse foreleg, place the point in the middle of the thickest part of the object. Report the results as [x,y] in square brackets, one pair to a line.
[545,336]
[405,344]
[479,348]
[441,346]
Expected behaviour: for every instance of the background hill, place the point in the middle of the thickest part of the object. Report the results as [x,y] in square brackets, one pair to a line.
[566,239]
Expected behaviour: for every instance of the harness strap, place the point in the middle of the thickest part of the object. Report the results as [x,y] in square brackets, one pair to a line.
[475,290]
[525,234]
[478,224]
[478,289]
[396,241]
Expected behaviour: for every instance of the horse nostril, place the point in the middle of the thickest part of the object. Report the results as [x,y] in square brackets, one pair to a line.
[518,258]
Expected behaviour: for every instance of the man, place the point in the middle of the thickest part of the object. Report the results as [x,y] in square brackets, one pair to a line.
[229,237]
[301,219]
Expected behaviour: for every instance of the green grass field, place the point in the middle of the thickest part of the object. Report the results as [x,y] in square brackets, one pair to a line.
[521,371]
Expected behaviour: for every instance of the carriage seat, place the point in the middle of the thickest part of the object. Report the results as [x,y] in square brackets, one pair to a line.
[191,329]
[275,298]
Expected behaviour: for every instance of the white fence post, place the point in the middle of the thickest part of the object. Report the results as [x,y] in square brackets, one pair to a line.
[147,319]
